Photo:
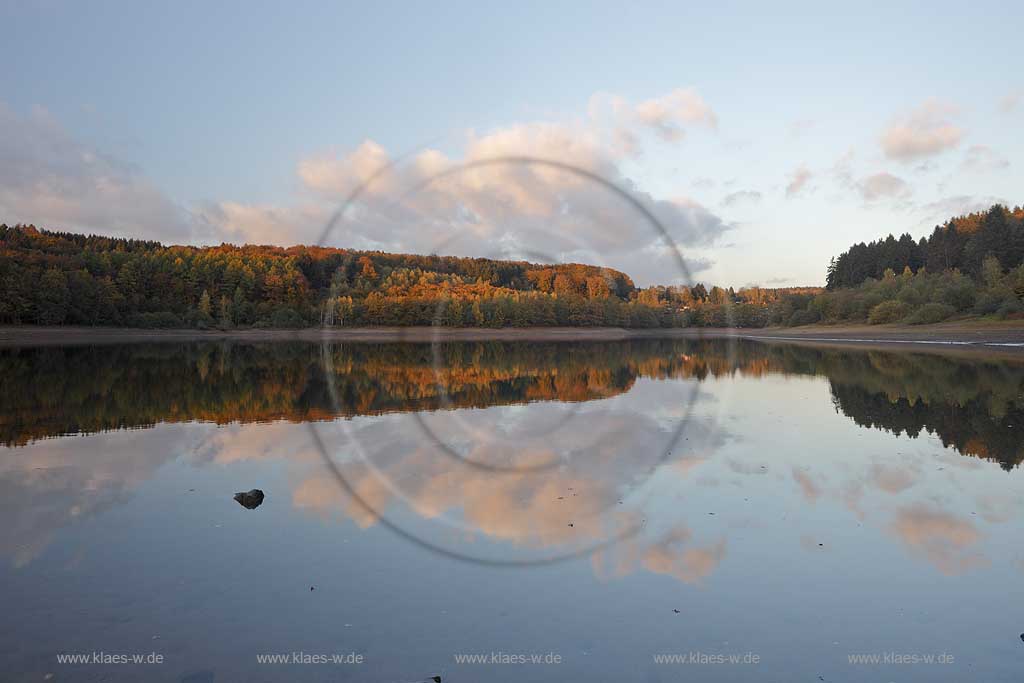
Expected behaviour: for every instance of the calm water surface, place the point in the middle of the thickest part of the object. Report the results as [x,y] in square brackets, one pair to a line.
[605,506]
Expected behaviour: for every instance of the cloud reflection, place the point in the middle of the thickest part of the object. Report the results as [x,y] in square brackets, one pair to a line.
[603,431]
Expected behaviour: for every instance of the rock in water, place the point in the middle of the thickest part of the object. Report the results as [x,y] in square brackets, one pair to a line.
[250,499]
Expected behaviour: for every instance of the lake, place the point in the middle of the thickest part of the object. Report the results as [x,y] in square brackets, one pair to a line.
[650,510]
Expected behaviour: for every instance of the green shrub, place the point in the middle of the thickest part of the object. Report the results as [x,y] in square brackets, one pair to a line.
[888,312]
[286,317]
[866,302]
[993,299]
[1010,309]
[957,291]
[805,317]
[913,296]
[930,313]
[748,315]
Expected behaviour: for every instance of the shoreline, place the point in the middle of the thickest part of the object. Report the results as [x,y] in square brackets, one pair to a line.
[989,335]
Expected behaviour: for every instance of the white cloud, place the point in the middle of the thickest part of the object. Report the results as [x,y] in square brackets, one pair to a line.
[741,197]
[50,179]
[625,143]
[1008,102]
[882,186]
[842,170]
[983,159]
[325,174]
[621,123]
[667,115]
[798,180]
[924,132]
[431,202]
[264,224]
[471,205]
[958,205]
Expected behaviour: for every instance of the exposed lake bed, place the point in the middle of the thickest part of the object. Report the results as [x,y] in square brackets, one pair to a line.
[631,509]
[987,334]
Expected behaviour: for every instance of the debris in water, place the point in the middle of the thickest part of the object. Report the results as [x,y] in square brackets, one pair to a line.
[250,499]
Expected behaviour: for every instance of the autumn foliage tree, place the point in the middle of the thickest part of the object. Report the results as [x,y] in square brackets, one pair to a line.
[54,278]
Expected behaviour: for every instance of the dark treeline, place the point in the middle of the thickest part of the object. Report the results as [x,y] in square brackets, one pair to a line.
[973,406]
[58,278]
[54,278]
[961,244]
[971,266]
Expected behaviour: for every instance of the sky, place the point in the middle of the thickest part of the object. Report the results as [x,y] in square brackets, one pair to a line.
[753,140]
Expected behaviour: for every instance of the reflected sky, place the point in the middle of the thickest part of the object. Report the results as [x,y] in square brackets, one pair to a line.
[782,499]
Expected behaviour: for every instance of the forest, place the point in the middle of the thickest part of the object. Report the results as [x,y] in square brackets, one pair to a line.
[970,266]
[961,244]
[58,278]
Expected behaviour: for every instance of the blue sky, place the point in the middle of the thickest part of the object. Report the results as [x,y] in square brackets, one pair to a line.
[766,136]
